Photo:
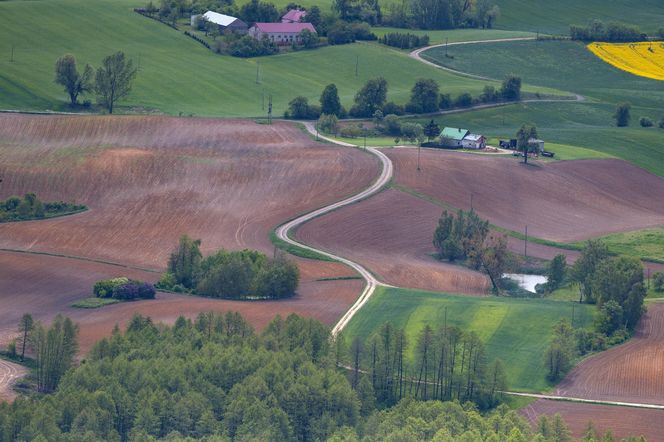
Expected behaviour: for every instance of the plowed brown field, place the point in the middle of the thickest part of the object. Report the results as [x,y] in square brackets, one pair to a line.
[390,234]
[562,201]
[633,372]
[147,180]
[622,421]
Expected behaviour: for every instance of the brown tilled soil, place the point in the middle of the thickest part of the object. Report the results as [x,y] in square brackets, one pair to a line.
[633,372]
[622,421]
[562,201]
[391,234]
[47,285]
[148,180]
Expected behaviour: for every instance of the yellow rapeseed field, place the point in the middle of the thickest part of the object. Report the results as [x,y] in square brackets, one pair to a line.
[644,59]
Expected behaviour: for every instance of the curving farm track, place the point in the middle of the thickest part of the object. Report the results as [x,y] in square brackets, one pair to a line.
[371,281]
[9,373]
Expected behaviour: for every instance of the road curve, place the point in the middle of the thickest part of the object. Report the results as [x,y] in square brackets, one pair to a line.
[283,230]
[417,55]
[9,373]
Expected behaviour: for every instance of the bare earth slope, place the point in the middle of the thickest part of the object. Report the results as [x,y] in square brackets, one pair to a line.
[391,234]
[148,180]
[561,201]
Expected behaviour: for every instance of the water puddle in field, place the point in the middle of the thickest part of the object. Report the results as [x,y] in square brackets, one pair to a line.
[526,282]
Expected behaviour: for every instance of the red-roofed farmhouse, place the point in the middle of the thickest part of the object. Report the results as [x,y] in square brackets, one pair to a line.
[280,33]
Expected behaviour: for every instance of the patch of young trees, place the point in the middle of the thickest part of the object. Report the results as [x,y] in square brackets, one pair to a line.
[443,14]
[596,30]
[30,207]
[123,289]
[111,83]
[465,237]
[449,364]
[245,274]
[214,379]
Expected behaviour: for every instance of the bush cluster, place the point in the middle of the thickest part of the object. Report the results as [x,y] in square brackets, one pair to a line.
[16,208]
[245,274]
[198,39]
[248,46]
[596,30]
[404,41]
[124,289]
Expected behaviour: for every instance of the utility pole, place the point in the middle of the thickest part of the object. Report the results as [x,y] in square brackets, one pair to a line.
[573,305]
[419,148]
[269,109]
[446,44]
[525,244]
[357,64]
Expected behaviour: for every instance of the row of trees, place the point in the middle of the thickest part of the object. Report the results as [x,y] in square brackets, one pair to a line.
[111,83]
[442,14]
[16,208]
[242,274]
[596,30]
[371,100]
[404,40]
[464,236]
[623,116]
[214,379]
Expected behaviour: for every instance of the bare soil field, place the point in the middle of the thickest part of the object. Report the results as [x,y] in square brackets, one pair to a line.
[622,421]
[148,180]
[632,372]
[561,201]
[391,234]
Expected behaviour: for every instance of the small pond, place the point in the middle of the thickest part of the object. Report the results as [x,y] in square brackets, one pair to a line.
[526,282]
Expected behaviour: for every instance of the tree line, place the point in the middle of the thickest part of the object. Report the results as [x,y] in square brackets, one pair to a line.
[404,40]
[596,30]
[371,100]
[215,379]
[246,274]
[111,82]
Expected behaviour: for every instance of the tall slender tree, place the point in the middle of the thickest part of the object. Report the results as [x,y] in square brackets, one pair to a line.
[114,80]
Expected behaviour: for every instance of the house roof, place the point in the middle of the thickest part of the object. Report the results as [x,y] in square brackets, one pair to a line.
[473,137]
[453,133]
[286,28]
[294,15]
[219,19]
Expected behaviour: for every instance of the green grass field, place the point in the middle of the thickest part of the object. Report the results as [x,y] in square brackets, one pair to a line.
[456,35]
[94,302]
[647,244]
[177,74]
[562,65]
[554,17]
[514,330]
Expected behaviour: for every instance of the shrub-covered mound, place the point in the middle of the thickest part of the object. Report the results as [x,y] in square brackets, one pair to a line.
[30,207]
[245,274]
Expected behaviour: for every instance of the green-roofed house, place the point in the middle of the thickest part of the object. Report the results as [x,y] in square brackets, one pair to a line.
[452,137]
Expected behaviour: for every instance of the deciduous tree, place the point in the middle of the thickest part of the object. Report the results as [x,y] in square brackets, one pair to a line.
[74,83]
[114,80]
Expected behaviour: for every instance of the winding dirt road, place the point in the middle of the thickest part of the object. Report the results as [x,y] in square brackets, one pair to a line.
[9,373]
[371,281]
